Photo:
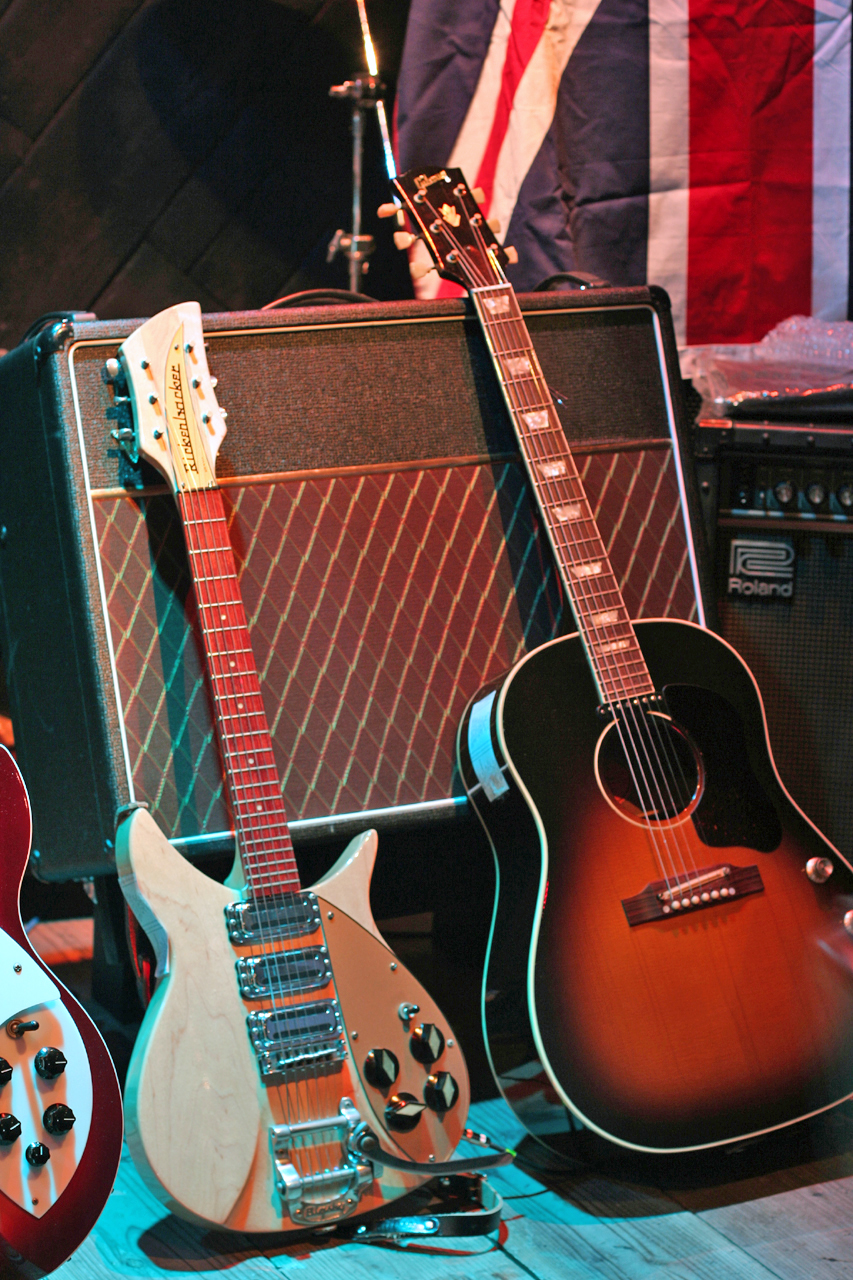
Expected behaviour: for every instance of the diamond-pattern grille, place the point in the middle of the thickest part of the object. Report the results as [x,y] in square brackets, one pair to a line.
[377,605]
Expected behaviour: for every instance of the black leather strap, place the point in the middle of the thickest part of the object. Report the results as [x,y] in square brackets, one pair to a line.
[467,1206]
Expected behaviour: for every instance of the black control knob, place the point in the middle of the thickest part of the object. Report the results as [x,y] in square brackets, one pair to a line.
[381,1068]
[10,1129]
[58,1118]
[441,1092]
[5,1072]
[37,1154]
[427,1043]
[50,1063]
[403,1112]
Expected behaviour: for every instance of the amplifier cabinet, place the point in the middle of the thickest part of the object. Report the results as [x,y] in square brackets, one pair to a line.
[389,554]
[777,501]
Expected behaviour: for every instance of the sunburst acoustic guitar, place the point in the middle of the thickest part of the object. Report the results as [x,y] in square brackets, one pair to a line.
[60,1105]
[289,1072]
[671,947]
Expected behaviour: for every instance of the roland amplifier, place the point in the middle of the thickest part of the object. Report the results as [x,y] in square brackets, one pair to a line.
[777,501]
[389,555]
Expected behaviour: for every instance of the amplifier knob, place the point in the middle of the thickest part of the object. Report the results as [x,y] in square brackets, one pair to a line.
[427,1043]
[5,1072]
[441,1092]
[785,492]
[50,1063]
[403,1112]
[816,493]
[381,1068]
[37,1154]
[844,494]
[10,1129]
[58,1118]
[819,870]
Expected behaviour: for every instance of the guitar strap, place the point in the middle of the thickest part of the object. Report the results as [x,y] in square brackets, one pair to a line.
[461,1204]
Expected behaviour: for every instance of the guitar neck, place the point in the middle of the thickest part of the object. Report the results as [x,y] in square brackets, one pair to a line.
[611,645]
[254,790]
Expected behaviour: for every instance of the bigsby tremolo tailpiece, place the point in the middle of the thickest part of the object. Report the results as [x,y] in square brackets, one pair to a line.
[334,1193]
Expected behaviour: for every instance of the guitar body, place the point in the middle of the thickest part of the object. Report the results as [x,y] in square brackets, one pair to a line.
[691,1026]
[46,1211]
[200,1118]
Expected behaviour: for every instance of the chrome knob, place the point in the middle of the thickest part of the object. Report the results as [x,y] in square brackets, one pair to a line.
[819,870]
[784,492]
[816,493]
[844,494]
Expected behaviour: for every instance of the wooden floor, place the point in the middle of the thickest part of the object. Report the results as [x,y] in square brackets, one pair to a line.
[780,1208]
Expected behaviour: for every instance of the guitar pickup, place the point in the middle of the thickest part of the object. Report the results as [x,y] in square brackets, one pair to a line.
[262,919]
[284,973]
[297,1036]
[710,887]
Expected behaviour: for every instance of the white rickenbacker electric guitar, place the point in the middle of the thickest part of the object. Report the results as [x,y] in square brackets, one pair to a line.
[289,1071]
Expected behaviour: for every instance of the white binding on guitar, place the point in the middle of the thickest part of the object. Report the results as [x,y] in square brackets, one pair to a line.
[283,1028]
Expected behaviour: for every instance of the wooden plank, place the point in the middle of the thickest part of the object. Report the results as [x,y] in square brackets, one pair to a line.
[641,1249]
[47,49]
[63,941]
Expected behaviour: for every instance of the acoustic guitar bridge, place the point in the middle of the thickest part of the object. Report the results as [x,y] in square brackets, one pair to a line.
[692,891]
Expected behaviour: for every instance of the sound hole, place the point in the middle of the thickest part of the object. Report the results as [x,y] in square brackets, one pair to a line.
[647,767]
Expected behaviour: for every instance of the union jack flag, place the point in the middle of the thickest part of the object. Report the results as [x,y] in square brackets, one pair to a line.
[703,145]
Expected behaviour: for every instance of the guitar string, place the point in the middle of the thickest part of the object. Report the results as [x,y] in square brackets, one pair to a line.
[639,742]
[212,594]
[643,728]
[264,841]
[241,743]
[655,780]
[271,850]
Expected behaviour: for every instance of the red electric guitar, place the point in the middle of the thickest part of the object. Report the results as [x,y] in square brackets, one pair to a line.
[289,1071]
[671,950]
[60,1105]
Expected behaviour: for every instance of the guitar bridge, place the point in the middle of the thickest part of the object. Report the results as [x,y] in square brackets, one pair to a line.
[331,1193]
[710,887]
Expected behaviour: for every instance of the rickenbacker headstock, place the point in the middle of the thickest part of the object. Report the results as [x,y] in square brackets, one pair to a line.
[178,425]
[454,229]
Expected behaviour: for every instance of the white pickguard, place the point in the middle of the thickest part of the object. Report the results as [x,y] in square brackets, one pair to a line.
[33,993]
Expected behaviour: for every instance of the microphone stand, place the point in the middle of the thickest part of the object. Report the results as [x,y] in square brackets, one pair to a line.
[364,92]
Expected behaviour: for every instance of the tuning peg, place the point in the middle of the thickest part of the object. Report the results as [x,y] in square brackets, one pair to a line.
[419,269]
[479,195]
[386,210]
[511,254]
[494,224]
[403,239]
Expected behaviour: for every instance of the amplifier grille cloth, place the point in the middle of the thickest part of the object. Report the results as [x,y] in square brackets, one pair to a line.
[377,605]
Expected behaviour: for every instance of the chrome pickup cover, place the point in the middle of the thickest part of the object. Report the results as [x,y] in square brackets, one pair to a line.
[288,915]
[284,973]
[300,1035]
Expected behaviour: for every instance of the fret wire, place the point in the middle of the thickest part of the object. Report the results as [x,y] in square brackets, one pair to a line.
[589,591]
[241,722]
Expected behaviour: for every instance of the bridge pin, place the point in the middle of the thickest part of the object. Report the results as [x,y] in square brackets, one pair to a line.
[676,905]
[706,897]
[685,902]
[715,893]
[666,909]
[696,899]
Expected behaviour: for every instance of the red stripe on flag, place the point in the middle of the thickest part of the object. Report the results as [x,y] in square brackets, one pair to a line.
[528,22]
[749,252]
